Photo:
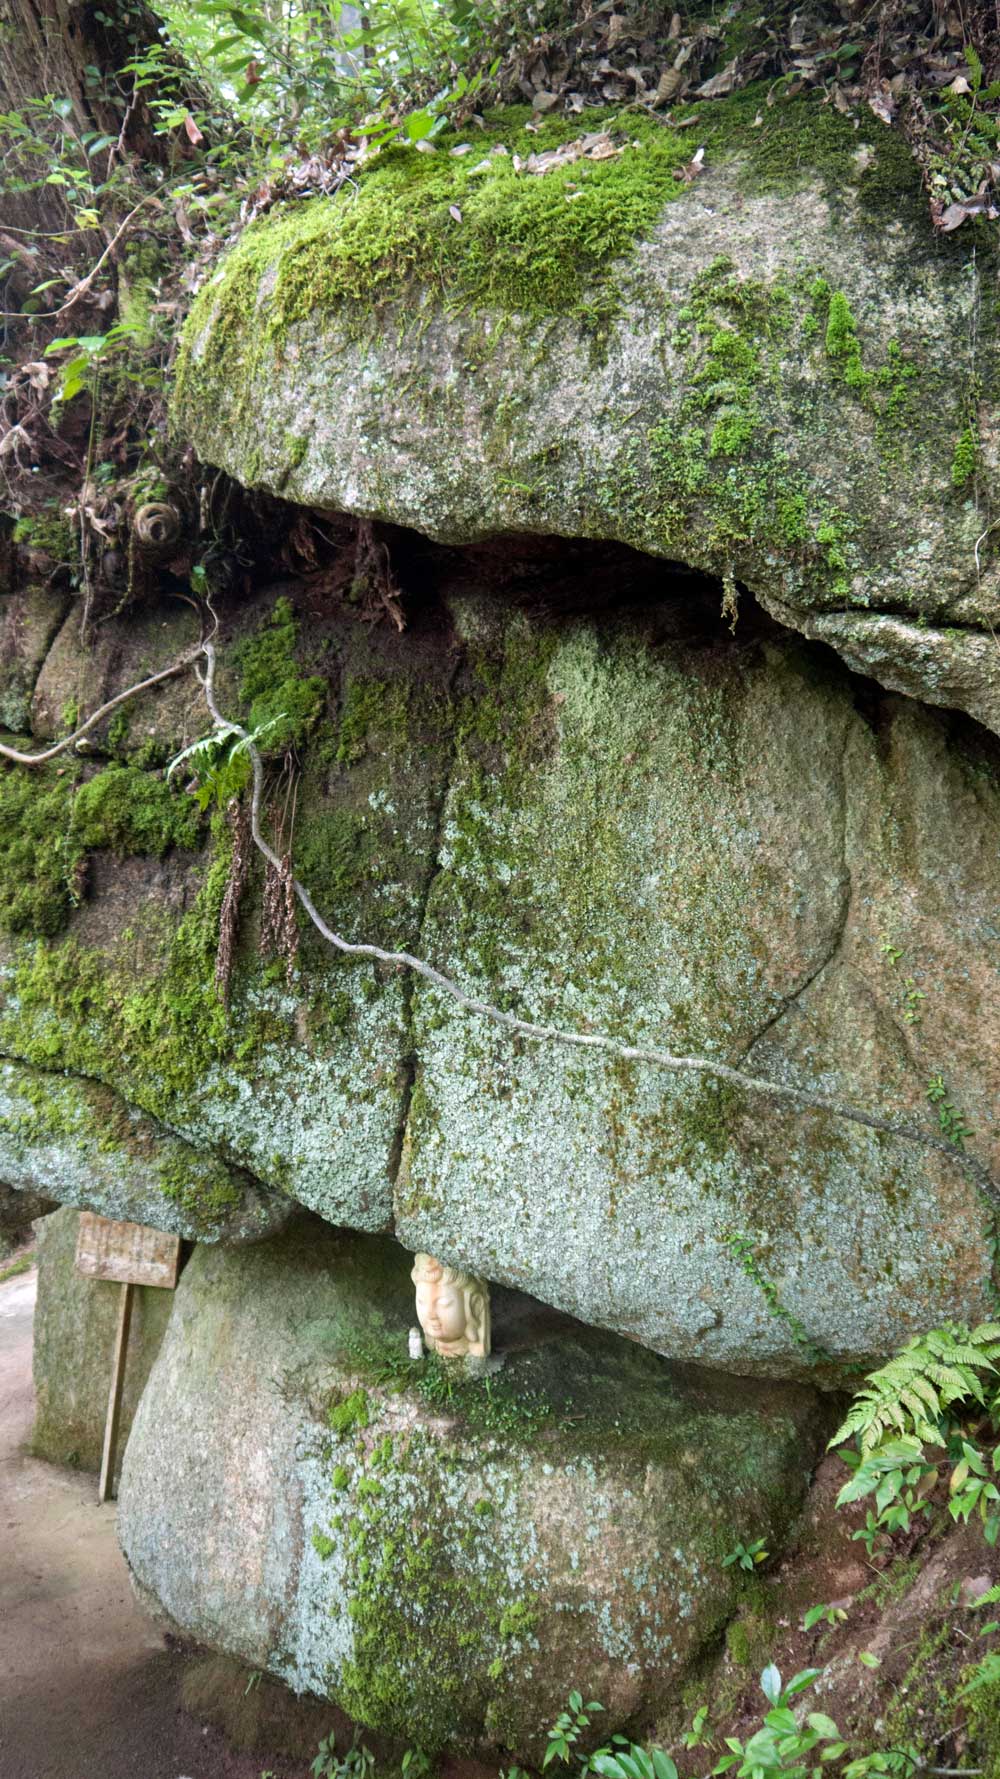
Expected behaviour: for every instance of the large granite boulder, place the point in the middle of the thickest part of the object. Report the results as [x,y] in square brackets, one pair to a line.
[774,370]
[632,822]
[766,865]
[444,1557]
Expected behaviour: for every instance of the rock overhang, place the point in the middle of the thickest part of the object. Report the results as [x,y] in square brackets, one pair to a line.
[768,378]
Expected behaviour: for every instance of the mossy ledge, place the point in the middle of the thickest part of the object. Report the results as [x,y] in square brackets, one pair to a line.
[752,370]
[80,1142]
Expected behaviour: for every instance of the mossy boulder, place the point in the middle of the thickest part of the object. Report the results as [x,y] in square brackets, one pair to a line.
[445,1558]
[80,1144]
[74,1335]
[637,823]
[715,853]
[775,370]
[108,965]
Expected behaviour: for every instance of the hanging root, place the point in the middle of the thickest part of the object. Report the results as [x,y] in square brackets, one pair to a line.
[238,816]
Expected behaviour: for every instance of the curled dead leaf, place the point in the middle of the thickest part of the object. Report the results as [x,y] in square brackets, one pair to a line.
[720,83]
[694,166]
[669,84]
[191,130]
[883,105]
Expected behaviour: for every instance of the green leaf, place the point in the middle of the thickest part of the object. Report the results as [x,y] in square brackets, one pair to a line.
[782,1719]
[800,1681]
[770,1682]
[823,1725]
[868,1660]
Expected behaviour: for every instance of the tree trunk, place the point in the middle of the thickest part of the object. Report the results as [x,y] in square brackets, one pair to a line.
[71,50]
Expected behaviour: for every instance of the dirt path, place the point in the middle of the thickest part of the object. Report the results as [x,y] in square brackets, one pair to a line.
[89,1689]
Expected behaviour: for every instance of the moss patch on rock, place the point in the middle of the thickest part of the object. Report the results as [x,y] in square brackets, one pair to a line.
[440,1579]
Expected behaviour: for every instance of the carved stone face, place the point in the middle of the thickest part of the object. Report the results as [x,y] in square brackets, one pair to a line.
[452,1309]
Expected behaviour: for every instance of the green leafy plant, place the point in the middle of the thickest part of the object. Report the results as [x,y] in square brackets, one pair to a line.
[953,1125]
[934,1394]
[783,1745]
[909,1398]
[742,1249]
[746,1555]
[830,1615]
[415,1764]
[618,1759]
[357,1763]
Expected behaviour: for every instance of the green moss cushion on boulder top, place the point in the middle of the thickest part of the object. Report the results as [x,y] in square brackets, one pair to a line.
[764,371]
[80,1143]
[445,1558]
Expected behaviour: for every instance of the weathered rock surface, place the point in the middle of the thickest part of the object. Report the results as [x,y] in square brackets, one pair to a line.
[75,1323]
[630,822]
[78,1142]
[29,619]
[769,376]
[444,1562]
[18,1211]
[734,861]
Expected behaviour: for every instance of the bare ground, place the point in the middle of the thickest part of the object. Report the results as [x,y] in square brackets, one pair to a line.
[89,1688]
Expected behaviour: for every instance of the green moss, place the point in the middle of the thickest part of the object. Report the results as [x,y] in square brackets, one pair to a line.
[51,818]
[16,1268]
[41,862]
[129,811]
[966,457]
[521,245]
[349,1413]
[923,1705]
[983,1707]
[156,1036]
[519,1619]
[372,708]
[283,706]
[530,246]
[50,533]
[842,343]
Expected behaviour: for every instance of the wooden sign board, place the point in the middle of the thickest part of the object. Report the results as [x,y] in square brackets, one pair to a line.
[126,1253]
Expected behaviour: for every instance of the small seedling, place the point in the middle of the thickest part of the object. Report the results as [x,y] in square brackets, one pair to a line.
[746,1555]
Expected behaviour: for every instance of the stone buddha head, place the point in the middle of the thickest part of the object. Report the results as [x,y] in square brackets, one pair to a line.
[453,1309]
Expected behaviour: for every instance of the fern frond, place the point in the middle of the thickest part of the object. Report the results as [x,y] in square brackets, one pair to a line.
[916,1388]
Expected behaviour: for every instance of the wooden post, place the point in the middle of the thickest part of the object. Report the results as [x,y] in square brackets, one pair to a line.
[105,1488]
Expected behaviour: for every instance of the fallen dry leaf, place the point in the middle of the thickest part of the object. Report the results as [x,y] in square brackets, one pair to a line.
[719,84]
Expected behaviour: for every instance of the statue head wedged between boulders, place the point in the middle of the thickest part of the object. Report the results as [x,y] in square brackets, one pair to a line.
[453,1309]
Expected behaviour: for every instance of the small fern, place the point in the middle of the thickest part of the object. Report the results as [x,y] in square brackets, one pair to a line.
[990,1598]
[909,1397]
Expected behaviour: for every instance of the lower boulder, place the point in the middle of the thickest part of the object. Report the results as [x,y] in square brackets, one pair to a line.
[443,1556]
